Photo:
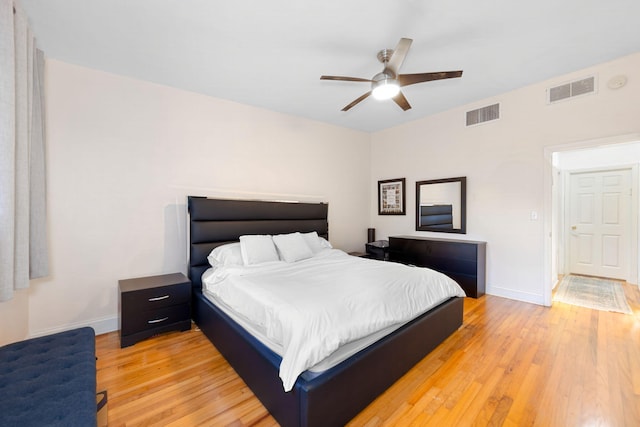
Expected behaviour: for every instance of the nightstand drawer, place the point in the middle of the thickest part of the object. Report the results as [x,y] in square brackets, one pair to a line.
[151,319]
[155,298]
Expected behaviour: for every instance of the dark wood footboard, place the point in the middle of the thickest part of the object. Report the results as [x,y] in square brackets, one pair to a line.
[335,396]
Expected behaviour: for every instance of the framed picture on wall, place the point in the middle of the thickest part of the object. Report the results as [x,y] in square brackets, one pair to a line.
[391,197]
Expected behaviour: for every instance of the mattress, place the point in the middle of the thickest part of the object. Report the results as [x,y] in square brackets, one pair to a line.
[318,311]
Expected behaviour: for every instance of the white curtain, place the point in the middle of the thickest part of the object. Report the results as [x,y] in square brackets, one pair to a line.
[23,239]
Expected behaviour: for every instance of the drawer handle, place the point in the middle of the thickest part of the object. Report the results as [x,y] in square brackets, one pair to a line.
[158,298]
[157,320]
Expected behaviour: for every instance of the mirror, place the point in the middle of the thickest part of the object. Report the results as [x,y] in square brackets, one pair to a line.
[441,205]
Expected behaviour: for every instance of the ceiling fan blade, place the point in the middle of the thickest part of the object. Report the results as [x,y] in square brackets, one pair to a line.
[345,79]
[399,53]
[410,79]
[356,101]
[402,101]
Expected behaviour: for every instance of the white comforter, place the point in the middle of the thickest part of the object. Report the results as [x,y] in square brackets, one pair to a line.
[314,306]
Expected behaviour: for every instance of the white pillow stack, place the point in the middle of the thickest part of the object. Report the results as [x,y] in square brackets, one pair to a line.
[258,249]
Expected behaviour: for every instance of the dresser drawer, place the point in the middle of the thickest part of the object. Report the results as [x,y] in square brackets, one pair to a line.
[152,319]
[416,250]
[462,260]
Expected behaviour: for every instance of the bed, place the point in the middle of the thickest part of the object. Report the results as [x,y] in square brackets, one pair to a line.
[330,398]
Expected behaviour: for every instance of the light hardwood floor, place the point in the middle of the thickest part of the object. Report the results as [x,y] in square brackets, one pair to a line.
[511,364]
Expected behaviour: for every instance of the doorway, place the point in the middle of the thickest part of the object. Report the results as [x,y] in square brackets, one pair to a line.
[615,153]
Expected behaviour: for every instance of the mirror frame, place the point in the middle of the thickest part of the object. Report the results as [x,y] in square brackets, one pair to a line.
[463,205]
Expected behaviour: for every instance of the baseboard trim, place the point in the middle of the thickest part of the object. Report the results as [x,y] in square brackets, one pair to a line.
[100,326]
[515,295]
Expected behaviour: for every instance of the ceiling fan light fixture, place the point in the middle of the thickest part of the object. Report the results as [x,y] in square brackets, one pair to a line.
[386,88]
[386,85]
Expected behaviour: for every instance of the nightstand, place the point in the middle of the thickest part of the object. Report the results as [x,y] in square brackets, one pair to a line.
[378,250]
[153,305]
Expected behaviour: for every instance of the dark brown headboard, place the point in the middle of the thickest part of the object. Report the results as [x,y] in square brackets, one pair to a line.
[214,222]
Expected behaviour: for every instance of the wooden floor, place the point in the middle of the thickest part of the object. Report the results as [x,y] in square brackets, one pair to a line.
[511,364]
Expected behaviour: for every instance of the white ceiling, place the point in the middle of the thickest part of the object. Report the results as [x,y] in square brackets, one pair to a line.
[271,54]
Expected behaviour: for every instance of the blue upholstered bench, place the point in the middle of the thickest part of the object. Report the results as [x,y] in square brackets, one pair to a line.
[49,381]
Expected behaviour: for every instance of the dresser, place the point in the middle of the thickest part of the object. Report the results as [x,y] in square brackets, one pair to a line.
[462,260]
[152,305]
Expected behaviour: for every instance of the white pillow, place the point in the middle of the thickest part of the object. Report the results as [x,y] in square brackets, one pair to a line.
[324,243]
[226,255]
[315,242]
[292,247]
[257,249]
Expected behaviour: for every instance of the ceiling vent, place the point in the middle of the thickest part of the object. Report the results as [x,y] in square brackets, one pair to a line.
[571,90]
[484,114]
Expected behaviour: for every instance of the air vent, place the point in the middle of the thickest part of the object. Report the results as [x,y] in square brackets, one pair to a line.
[571,90]
[484,114]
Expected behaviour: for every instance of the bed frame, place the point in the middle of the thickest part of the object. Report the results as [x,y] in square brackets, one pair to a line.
[330,398]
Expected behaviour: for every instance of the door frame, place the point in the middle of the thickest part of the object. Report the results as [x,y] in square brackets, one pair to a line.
[550,205]
[564,220]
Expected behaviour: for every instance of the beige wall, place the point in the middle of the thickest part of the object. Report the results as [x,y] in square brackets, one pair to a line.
[14,317]
[122,157]
[123,154]
[504,162]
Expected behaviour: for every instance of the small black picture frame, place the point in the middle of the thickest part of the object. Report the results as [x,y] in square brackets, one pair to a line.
[392,197]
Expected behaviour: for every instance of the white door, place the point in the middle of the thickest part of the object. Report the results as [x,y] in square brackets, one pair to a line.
[599,219]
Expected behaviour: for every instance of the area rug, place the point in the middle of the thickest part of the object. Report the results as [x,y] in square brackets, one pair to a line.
[592,292]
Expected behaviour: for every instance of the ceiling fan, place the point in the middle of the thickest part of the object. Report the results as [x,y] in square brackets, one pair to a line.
[387,84]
